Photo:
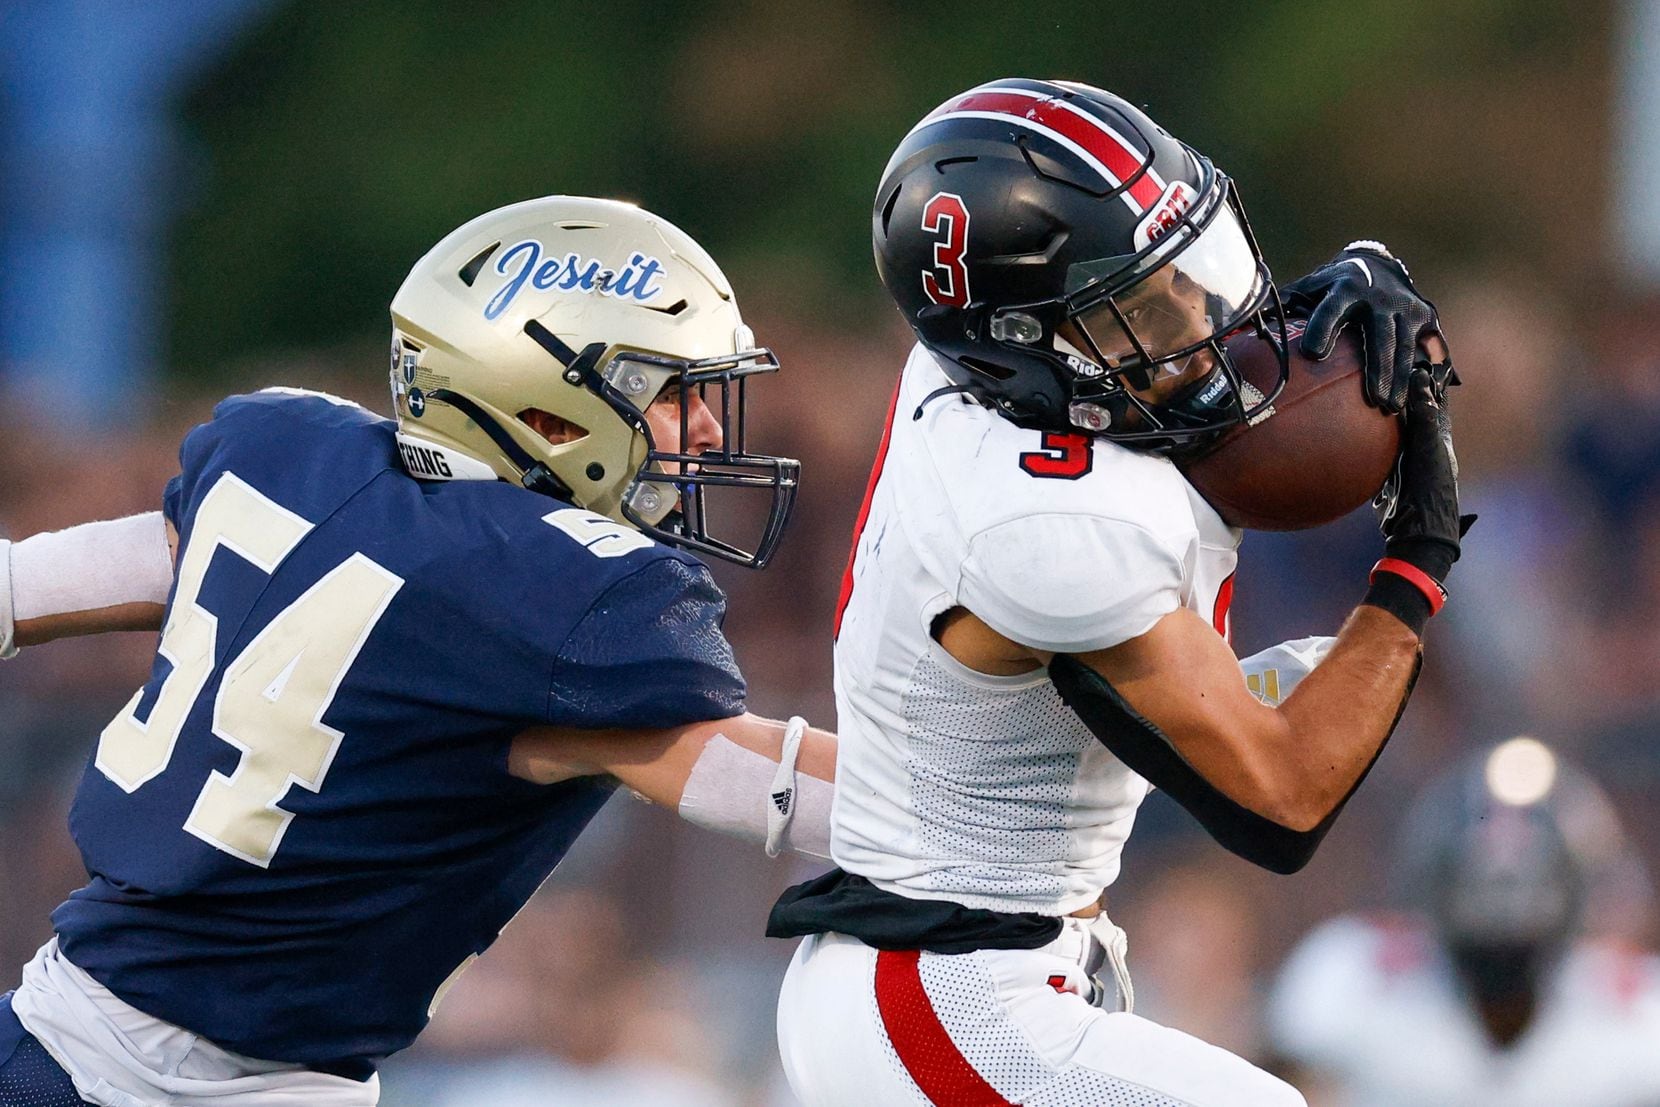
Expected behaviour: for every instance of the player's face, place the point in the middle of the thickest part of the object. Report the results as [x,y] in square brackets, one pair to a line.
[1167,311]
[703,430]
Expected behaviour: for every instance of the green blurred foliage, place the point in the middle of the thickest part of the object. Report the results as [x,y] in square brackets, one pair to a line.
[340,140]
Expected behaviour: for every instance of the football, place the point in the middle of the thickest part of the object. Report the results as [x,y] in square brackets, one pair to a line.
[1317,454]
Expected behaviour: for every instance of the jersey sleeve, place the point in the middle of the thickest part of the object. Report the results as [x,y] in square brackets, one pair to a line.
[1274,673]
[258,423]
[194,452]
[649,653]
[1070,583]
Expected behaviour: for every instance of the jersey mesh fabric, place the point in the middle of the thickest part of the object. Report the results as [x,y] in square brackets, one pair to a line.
[963,994]
[32,1079]
[1079,1087]
[995,788]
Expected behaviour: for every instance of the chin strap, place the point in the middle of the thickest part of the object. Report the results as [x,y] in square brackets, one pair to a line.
[537,476]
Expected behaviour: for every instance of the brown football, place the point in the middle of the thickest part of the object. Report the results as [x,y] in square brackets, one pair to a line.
[1320,452]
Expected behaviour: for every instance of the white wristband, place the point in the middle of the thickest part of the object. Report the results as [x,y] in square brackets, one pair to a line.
[781,800]
[8,619]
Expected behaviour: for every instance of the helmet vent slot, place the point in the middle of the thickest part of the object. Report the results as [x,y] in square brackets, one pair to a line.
[887,209]
[988,369]
[673,309]
[469,272]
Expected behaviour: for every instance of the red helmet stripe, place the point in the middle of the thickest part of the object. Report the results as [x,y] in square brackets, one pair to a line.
[1101,146]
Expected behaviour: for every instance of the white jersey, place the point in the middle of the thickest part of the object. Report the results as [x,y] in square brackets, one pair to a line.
[985,790]
[1373,1008]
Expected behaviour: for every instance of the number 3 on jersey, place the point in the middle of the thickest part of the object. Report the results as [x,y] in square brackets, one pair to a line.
[274,694]
[947,282]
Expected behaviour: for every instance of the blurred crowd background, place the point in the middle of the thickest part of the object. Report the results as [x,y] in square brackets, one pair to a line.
[211,196]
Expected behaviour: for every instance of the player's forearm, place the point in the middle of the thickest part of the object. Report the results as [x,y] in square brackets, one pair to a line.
[732,775]
[76,624]
[749,781]
[658,764]
[1265,782]
[88,579]
[1339,717]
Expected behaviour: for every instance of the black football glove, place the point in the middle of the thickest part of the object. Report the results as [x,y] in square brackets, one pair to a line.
[1418,506]
[1368,286]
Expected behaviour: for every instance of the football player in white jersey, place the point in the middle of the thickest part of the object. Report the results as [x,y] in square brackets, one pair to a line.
[1483,995]
[1033,630]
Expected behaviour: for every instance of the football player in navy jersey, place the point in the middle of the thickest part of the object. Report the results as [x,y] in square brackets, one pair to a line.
[402,664]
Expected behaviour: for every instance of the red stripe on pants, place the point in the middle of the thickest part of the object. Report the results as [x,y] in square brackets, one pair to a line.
[925,1049]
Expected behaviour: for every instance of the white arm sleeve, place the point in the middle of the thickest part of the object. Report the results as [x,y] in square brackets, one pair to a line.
[1070,583]
[8,619]
[734,790]
[84,568]
[1273,673]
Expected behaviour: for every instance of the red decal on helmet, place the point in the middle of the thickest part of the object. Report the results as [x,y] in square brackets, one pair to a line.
[1164,218]
[1064,456]
[1101,146]
[947,282]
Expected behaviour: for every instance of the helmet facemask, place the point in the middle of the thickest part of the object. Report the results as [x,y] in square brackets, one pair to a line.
[1126,323]
[668,498]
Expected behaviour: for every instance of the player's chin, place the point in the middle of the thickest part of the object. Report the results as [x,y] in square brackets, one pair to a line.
[1185,372]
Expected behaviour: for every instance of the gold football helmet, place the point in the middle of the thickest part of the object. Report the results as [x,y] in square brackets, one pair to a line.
[588,310]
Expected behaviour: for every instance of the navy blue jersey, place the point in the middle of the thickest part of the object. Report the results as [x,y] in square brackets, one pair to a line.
[304,824]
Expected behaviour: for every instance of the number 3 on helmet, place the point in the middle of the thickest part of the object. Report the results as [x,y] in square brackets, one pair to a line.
[1061,252]
[588,310]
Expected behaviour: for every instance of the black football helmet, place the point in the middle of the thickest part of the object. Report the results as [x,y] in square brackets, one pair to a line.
[1057,248]
[1501,854]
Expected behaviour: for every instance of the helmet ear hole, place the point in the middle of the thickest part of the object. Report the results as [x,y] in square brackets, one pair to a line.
[555,428]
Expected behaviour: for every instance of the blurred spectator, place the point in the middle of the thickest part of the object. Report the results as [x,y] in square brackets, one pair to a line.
[1196,948]
[566,1009]
[1498,986]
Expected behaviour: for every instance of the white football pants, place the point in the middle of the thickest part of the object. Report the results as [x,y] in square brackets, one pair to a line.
[993,1028]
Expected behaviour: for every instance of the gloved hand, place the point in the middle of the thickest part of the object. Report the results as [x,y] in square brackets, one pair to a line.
[1366,285]
[1418,506]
